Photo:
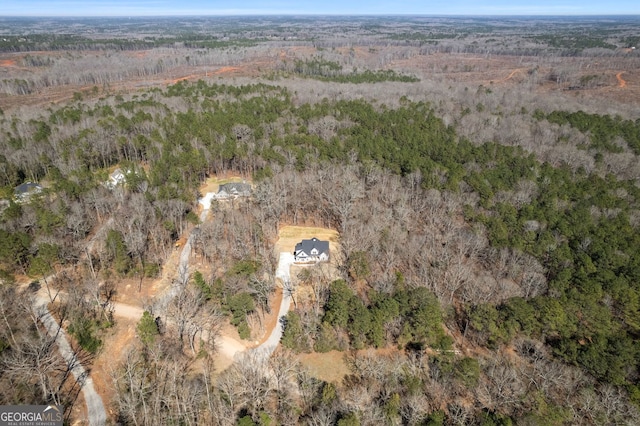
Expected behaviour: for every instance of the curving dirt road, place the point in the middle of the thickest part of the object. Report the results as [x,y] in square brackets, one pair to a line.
[183,264]
[283,273]
[621,82]
[96,413]
[510,76]
[227,346]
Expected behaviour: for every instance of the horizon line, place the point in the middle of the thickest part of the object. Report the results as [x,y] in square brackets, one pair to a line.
[312,14]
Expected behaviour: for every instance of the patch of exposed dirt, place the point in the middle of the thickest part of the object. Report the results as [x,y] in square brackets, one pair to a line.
[471,69]
[206,74]
[137,292]
[529,73]
[179,79]
[139,53]
[222,71]
[621,81]
[229,344]
[271,319]
[513,73]
[8,63]
[119,337]
[227,70]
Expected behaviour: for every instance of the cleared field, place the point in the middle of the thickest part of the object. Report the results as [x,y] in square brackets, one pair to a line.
[329,366]
[212,184]
[289,236]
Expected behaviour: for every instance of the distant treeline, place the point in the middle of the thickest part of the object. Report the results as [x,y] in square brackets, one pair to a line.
[329,71]
[53,42]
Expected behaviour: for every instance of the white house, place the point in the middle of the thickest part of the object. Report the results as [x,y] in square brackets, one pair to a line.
[313,250]
[116,178]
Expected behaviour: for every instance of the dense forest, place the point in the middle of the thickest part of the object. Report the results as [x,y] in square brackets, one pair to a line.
[489,264]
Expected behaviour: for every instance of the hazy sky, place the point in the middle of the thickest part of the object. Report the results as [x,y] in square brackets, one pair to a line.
[279,7]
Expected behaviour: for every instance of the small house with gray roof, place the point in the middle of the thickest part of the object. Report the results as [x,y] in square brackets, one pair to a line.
[26,190]
[234,190]
[313,250]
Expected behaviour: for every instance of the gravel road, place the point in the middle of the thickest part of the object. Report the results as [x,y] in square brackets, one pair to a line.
[283,273]
[228,346]
[96,413]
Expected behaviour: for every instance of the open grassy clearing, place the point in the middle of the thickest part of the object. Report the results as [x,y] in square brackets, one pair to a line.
[212,184]
[289,236]
[329,366]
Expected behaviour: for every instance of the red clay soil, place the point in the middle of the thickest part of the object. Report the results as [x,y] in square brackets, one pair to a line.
[139,53]
[510,76]
[221,71]
[8,63]
[456,68]
[621,82]
[109,360]
[227,70]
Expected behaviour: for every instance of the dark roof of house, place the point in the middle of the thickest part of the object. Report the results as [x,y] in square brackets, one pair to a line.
[308,245]
[26,188]
[235,188]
